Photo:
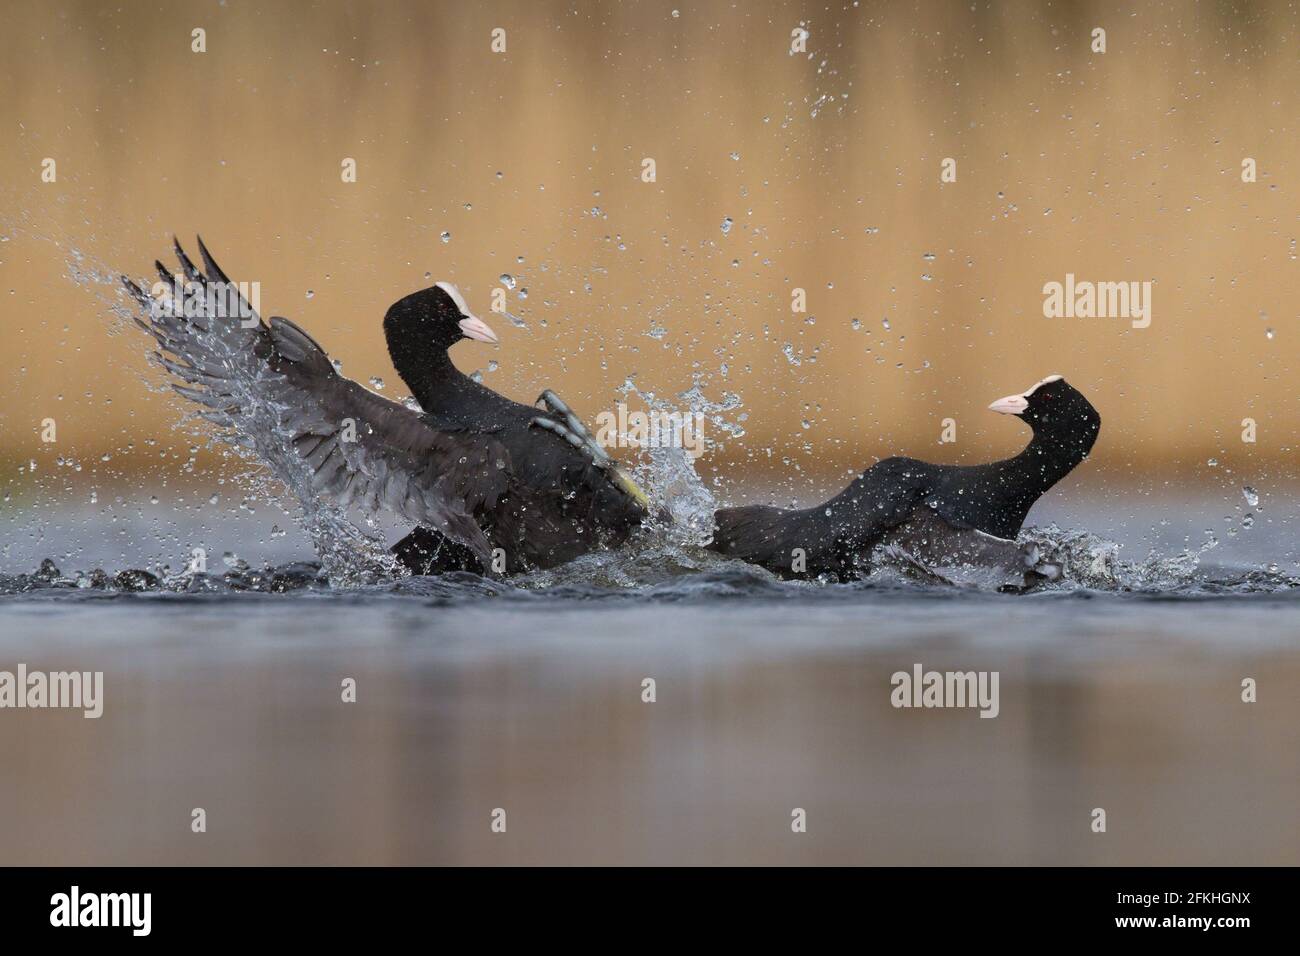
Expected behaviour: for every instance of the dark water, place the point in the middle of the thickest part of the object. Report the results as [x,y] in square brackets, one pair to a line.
[1119,689]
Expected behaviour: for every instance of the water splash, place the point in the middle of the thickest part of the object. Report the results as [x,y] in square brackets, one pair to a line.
[681,506]
[1091,562]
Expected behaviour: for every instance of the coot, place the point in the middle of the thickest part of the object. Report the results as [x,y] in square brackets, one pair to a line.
[490,484]
[942,514]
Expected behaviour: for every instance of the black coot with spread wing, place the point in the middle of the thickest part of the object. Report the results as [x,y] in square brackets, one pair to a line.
[947,509]
[482,477]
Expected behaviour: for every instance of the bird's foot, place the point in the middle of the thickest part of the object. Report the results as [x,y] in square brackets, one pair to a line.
[563,430]
[570,427]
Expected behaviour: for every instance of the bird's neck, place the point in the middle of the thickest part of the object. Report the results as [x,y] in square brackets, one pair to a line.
[1048,458]
[432,378]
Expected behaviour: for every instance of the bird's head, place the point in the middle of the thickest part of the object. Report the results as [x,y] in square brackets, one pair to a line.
[1053,407]
[433,317]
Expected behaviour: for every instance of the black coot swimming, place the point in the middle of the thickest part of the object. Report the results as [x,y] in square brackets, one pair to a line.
[490,484]
[941,514]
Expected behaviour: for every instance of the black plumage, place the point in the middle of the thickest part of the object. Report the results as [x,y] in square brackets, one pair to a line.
[899,499]
[572,504]
[480,480]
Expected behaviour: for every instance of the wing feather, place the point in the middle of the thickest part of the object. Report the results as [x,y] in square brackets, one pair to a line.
[276,391]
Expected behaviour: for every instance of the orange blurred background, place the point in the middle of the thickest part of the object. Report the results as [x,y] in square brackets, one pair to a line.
[1122,166]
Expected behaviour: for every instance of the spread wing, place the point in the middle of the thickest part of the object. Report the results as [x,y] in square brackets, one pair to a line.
[275,391]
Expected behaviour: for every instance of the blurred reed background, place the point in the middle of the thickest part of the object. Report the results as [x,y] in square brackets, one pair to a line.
[1115,167]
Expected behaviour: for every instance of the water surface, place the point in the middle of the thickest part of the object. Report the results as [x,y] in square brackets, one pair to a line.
[475,695]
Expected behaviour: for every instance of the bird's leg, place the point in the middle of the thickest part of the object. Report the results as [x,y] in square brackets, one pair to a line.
[571,429]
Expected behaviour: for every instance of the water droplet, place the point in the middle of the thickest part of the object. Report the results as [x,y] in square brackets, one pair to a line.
[507,280]
[736,157]
[446,236]
[726,225]
[311,293]
[928,257]
[1251,496]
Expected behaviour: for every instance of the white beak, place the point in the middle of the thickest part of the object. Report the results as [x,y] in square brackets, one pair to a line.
[476,329]
[1011,405]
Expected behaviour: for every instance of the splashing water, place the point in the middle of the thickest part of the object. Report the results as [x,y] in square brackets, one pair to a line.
[1091,562]
[681,506]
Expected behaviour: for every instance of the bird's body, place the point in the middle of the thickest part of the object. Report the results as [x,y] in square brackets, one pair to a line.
[562,503]
[562,506]
[952,510]
[486,487]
